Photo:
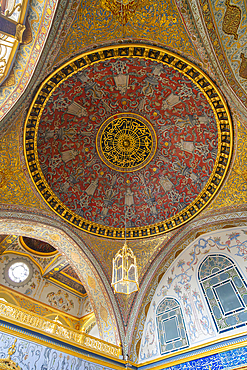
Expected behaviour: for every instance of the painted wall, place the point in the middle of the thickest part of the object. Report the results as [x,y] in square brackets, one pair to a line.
[30,355]
[41,289]
[181,283]
[231,22]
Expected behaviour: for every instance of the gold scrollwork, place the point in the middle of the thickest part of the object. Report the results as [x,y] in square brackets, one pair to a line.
[123,10]
[243,66]
[231,20]
[7,363]
[126,142]
[20,28]
[9,11]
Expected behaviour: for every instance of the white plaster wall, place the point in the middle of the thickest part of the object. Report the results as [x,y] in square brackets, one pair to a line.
[181,282]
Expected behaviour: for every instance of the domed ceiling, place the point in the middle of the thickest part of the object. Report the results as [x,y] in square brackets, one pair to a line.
[128,132]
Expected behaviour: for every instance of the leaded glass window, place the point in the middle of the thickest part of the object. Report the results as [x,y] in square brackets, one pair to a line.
[225,291]
[171,329]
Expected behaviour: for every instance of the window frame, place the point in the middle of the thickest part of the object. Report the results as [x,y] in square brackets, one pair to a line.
[221,318]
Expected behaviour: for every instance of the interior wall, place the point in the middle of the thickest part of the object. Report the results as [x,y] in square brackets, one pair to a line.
[181,283]
[73,248]
[31,355]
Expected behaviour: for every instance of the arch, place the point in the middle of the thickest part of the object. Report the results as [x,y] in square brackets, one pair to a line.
[70,245]
[171,327]
[171,248]
[225,291]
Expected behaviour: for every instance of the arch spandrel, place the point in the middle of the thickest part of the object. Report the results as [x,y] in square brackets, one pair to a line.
[217,31]
[172,250]
[181,281]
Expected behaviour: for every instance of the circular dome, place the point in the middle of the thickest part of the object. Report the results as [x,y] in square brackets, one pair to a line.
[131,132]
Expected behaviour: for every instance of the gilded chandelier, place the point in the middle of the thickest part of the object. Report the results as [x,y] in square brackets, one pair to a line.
[124,270]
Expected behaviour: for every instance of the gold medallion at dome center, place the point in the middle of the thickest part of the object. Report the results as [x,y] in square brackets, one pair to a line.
[126,142]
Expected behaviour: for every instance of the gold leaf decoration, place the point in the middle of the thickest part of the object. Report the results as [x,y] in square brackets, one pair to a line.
[103,313]
[28,229]
[231,20]
[75,257]
[55,237]
[95,21]
[234,190]
[14,187]
[91,282]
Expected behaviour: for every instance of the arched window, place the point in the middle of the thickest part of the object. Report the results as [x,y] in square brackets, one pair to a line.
[225,292]
[171,329]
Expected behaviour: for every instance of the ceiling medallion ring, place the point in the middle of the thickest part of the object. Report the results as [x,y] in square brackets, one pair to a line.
[128,143]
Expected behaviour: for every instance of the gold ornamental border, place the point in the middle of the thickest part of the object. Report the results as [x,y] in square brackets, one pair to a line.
[126,115]
[201,80]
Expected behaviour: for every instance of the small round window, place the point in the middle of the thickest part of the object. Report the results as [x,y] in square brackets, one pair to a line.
[18,272]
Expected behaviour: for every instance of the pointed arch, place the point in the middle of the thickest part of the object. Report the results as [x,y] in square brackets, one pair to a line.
[225,291]
[171,327]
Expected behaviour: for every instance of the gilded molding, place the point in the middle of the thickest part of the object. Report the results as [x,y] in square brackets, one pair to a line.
[186,359]
[104,361]
[42,309]
[52,328]
[37,53]
[119,364]
[81,258]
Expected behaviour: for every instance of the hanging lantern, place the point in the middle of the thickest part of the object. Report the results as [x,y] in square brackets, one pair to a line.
[124,271]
